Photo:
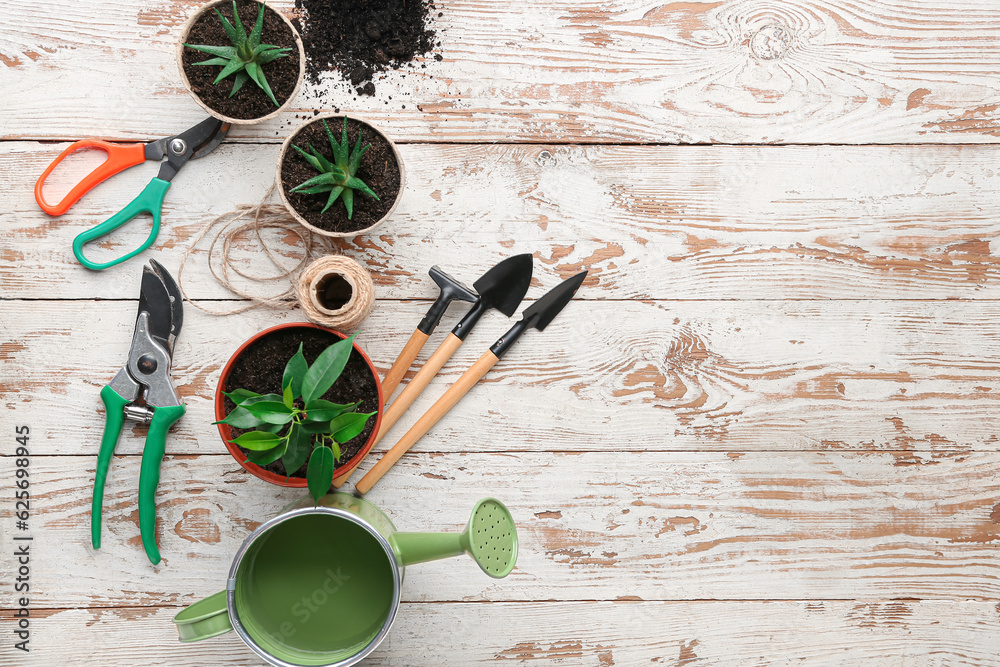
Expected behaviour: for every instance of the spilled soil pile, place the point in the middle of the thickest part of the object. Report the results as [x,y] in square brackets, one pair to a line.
[363,37]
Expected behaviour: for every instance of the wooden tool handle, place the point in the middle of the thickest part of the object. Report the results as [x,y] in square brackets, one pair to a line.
[410,392]
[402,363]
[428,420]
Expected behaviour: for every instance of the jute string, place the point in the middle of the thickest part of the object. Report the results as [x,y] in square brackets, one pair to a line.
[252,219]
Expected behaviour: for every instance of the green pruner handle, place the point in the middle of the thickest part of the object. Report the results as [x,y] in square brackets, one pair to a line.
[150,200]
[114,408]
[203,619]
[149,475]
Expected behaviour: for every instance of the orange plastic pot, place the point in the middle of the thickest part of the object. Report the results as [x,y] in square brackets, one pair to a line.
[226,432]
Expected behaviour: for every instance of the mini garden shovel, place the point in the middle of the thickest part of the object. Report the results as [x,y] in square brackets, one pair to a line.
[537,316]
[319,584]
[502,287]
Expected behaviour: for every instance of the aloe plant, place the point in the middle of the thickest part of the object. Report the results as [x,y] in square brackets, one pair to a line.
[338,177]
[245,57]
[297,424]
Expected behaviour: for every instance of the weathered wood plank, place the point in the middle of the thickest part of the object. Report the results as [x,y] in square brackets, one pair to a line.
[722,376]
[594,526]
[560,71]
[648,222]
[888,632]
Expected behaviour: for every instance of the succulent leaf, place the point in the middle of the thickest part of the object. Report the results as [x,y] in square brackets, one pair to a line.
[241,78]
[338,191]
[348,197]
[227,52]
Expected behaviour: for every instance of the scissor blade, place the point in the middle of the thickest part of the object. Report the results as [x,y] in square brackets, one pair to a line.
[160,297]
[205,136]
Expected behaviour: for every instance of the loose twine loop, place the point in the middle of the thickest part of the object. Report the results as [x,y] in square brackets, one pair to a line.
[317,260]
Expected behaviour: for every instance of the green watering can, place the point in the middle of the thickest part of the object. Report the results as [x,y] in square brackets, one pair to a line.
[320,585]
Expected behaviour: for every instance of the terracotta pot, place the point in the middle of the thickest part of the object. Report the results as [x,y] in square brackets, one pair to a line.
[286,146]
[226,432]
[187,84]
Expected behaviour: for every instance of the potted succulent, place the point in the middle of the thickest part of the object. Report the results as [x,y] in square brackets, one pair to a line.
[339,176]
[241,60]
[297,404]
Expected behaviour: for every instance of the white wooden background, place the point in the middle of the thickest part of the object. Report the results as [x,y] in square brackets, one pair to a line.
[765,433]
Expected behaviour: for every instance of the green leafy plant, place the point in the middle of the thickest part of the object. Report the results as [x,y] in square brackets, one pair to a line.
[297,424]
[339,177]
[245,57]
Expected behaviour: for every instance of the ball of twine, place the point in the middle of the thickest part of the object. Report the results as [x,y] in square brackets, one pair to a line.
[313,281]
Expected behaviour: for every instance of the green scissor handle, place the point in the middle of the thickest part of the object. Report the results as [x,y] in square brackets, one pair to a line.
[114,406]
[149,475]
[150,200]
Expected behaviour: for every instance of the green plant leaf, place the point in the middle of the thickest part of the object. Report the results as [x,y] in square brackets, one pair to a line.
[326,369]
[318,189]
[295,372]
[348,426]
[267,456]
[227,52]
[334,194]
[240,417]
[270,428]
[324,164]
[257,74]
[318,410]
[213,61]
[356,156]
[311,159]
[286,398]
[228,27]
[331,177]
[272,412]
[348,197]
[237,396]
[234,66]
[241,78]
[358,184]
[268,55]
[316,427]
[258,441]
[241,33]
[342,158]
[299,446]
[319,474]
[257,29]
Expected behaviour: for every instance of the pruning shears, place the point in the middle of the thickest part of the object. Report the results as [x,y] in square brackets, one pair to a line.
[191,144]
[142,391]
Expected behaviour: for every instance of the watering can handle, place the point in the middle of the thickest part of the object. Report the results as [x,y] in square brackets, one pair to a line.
[203,619]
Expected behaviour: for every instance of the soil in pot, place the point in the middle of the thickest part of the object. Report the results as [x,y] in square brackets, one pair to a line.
[379,170]
[250,101]
[262,364]
[362,38]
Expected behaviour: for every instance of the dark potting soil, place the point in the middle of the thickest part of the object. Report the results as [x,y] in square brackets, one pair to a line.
[362,37]
[262,364]
[379,170]
[250,102]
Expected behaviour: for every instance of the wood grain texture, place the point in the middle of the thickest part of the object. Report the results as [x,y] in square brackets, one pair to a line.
[874,71]
[894,633]
[721,376]
[647,222]
[591,526]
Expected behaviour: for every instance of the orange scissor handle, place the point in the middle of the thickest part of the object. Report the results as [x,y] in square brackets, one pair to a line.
[120,157]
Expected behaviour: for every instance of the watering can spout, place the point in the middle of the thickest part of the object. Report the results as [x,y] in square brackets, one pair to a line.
[490,538]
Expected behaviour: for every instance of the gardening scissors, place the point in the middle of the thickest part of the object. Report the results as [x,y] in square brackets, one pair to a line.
[192,144]
[145,376]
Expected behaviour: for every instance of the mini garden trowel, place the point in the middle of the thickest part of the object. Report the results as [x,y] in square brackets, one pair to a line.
[451,290]
[537,316]
[502,287]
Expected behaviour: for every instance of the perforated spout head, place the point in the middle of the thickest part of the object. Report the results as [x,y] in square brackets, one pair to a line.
[492,538]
